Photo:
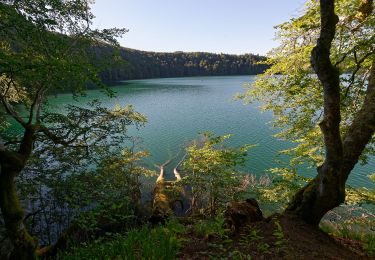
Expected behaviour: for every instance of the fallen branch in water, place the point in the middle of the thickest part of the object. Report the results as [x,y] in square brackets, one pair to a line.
[162,203]
[175,170]
[161,167]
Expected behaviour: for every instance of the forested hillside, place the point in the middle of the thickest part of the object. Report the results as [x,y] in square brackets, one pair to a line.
[142,64]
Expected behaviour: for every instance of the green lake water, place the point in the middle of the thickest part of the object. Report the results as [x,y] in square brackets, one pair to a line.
[179,108]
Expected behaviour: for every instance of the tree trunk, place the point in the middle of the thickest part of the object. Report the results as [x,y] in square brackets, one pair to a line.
[327,190]
[320,195]
[12,163]
[13,214]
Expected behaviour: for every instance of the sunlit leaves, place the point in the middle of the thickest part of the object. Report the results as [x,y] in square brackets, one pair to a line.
[11,91]
[294,94]
[48,46]
[359,196]
[211,169]
[285,182]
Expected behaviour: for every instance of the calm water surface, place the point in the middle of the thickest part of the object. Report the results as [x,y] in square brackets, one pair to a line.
[179,108]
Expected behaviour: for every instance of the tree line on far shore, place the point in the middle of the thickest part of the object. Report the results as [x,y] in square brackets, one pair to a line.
[138,64]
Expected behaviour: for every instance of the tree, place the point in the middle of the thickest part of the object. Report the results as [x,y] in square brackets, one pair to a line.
[95,177]
[345,69]
[45,46]
[211,170]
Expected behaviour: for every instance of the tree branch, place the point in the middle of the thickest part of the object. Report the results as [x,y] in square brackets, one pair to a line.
[54,138]
[36,104]
[362,128]
[27,142]
[7,106]
[358,67]
[10,158]
[12,112]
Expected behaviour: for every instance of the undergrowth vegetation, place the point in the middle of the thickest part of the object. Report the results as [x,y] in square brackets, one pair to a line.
[161,242]
[354,223]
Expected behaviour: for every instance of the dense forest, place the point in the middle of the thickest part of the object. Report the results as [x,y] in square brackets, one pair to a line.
[142,64]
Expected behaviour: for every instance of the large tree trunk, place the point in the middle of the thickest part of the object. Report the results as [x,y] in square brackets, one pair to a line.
[13,214]
[327,190]
[320,195]
[12,164]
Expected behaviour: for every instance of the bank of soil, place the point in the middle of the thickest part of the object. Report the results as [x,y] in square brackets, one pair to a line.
[279,237]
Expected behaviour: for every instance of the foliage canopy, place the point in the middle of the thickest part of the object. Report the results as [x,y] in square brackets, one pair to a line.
[295,96]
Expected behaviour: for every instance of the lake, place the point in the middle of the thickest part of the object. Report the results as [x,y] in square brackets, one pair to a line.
[178,109]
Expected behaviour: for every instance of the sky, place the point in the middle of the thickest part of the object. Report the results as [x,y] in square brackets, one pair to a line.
[219,26]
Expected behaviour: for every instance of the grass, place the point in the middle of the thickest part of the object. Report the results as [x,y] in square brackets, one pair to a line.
[144,243]
[250,237]
[346,230]
[165,242]
[263,247]
[161,242]
[279,235]
[369,244]
[208,227]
